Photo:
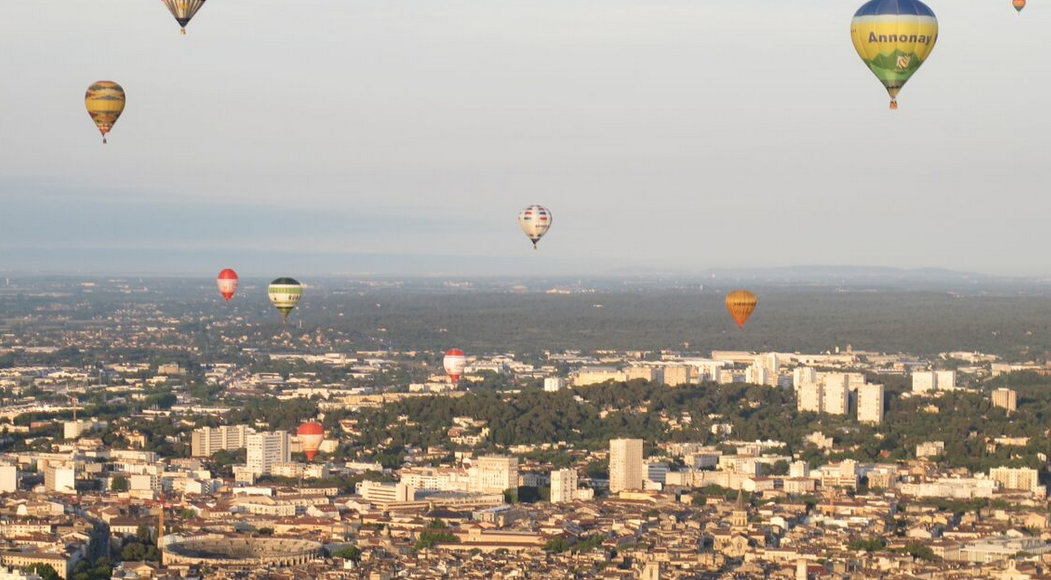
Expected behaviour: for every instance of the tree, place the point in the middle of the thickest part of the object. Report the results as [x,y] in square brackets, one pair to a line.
[348,553]
[45,571]
[119,483]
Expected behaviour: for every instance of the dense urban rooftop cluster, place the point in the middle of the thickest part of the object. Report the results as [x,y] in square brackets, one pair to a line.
[148,440]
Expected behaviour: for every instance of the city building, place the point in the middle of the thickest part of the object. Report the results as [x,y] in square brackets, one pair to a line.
[808,397]
[803,376]
[1023,478]
[677,375]
[8,478]
[494,474]
[836,394]
[554,384]
[1005,399]
[924,382]
[206,441]
[266,449]
[870,403]
[60,479]
[625,464]
[563,485]
[945,380]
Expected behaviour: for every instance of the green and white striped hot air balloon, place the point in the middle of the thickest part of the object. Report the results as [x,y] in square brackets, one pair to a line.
[284,295]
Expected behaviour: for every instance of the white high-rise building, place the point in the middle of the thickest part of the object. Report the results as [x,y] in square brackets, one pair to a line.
[266,449]
[60,479]
[870,403]
[836,394]
[1024,478]
[206,441]
[799,469]
[945,380]
[924,382]
[756,375]
[1005,399]
[803,376]
[494,474]
[8,478]
[554,384]
[808,397]
[625,464]
[676,375]
[563,485]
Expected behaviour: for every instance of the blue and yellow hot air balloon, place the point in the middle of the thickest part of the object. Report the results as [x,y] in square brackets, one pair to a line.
[894,38]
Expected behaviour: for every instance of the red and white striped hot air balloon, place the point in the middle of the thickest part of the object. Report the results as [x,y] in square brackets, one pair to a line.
[227,282]
[310,435]
[454,363]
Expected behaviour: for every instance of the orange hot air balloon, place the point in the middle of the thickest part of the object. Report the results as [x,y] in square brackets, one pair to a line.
[1018,4]
[741,305]
[310,435]
[227,282]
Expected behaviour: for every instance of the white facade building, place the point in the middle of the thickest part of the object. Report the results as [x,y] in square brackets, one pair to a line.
[625,464]
[836,394]
[563,485]
[554,384]
[494,474]
[266,449]
[870,403]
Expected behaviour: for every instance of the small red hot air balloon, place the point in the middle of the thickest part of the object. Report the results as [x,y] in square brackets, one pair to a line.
[310,435]
[227,282]
[454,363]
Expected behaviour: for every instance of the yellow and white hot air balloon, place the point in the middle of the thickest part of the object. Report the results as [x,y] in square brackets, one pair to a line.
[105,102]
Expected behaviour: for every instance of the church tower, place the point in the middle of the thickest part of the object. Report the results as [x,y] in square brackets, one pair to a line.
[739,517]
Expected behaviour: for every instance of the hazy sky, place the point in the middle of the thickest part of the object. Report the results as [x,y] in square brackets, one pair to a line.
[324,135]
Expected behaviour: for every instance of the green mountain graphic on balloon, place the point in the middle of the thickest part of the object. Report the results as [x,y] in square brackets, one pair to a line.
[896,66]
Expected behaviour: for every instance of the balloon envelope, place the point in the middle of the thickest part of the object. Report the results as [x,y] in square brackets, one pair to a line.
[104,101]
[454,363]
[894,38]
[183,10]
[1018,4]
[535,220]
[284,295]
[227,282]
[741,304]
[310,435]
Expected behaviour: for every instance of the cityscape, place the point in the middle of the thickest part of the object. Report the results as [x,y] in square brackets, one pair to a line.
[151,432]
[525,290]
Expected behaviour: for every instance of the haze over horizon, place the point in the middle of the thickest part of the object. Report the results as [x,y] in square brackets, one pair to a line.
[361,136]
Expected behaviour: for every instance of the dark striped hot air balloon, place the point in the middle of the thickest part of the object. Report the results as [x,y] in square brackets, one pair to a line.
[183,10]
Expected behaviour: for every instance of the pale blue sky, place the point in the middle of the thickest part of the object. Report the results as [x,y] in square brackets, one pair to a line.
[677,134]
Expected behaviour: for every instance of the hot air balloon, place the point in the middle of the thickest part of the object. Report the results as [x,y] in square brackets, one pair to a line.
[535,220]
[741,304]
[183,10]
[310,435]
[227,282]
[105,102]
[894,38]
[454,363]
[1018,4]
[284,294]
